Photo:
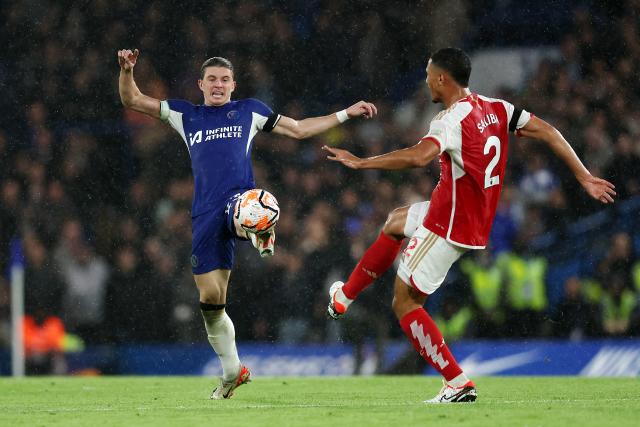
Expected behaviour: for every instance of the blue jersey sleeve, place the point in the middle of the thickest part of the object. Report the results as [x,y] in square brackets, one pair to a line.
[267,119]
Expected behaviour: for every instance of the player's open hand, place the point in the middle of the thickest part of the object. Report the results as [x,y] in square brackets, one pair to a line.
[598,188]
[343,156]
[128,58]
[362,109]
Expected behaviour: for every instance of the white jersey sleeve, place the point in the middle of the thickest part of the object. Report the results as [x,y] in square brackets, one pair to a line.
[446,125]
[438,132]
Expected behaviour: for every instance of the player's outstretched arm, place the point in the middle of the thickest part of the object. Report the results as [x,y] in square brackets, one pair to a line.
[416,156]
[598,188]
[301,129]
[130,95]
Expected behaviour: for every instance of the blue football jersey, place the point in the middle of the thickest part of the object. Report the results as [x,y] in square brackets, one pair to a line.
[219,143]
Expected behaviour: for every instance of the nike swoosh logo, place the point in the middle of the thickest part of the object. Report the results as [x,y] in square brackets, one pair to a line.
[473,365]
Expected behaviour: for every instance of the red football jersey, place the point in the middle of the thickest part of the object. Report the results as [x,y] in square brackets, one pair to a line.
[473,138]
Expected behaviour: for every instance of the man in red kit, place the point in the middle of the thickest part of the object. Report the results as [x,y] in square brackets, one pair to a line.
[471,138]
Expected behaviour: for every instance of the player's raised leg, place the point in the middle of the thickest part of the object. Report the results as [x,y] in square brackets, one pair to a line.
[378,258]
[220,331]
[423,269]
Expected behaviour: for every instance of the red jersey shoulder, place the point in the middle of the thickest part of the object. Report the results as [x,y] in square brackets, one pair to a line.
[489,114]
[483,111]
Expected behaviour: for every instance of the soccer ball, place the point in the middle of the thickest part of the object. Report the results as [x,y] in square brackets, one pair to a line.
[256,211]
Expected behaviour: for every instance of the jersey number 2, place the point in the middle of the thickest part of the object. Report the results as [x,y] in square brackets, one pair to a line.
[490,181]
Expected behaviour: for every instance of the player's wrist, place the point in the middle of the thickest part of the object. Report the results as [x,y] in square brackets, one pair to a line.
[583,176]
[362,163]
[342,116]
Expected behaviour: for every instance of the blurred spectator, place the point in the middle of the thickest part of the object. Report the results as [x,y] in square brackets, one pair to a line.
[43,344]
[618,261]
[505,225]
[617,306]
[598,148]
[487,290]
[49,214]
[43,289]
[186,320]
[455,319]
[525,289]
[85,275]
[556,211]
[154,292]
[123,305]
[539,181]
[9,214]
[623,168]
[43,328]
[576,318]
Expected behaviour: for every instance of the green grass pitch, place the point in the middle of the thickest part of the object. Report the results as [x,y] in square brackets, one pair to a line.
[346,402]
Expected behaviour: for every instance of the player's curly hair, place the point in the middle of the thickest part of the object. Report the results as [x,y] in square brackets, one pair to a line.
[216,61]
[455,62]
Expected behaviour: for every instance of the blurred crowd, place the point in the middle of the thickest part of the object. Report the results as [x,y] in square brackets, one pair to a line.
[101,196]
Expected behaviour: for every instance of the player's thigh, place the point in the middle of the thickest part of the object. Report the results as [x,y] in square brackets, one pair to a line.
[427,260]
[213,286]
[394,225]
[414,217]
[213,244]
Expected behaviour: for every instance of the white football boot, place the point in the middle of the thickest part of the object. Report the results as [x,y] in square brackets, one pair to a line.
[225,389]
[338,303]
[264,242]
[448,394]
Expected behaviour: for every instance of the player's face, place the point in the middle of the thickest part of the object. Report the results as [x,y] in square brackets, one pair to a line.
[217,85]
[434,82]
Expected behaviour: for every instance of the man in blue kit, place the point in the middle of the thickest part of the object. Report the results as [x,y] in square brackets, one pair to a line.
[218,135]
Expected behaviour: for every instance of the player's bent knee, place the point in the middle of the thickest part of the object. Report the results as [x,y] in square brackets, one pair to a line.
[406,299]
[212,294]
[212,286]
[394,226]
[402,306]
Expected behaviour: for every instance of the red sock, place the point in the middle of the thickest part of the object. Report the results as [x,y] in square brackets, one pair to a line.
[427,340]
[373,264]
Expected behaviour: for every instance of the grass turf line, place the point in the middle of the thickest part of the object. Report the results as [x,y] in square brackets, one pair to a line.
[345,401]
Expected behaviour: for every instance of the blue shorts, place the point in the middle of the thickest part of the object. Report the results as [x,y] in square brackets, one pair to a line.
[214,238]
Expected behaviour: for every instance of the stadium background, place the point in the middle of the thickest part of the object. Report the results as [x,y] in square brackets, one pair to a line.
[100,196]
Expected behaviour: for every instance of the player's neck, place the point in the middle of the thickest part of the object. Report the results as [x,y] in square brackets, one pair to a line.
[456,96]
[208,104]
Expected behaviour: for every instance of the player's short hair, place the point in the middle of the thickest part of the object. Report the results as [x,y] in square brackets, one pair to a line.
[455,62]
[216,61]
